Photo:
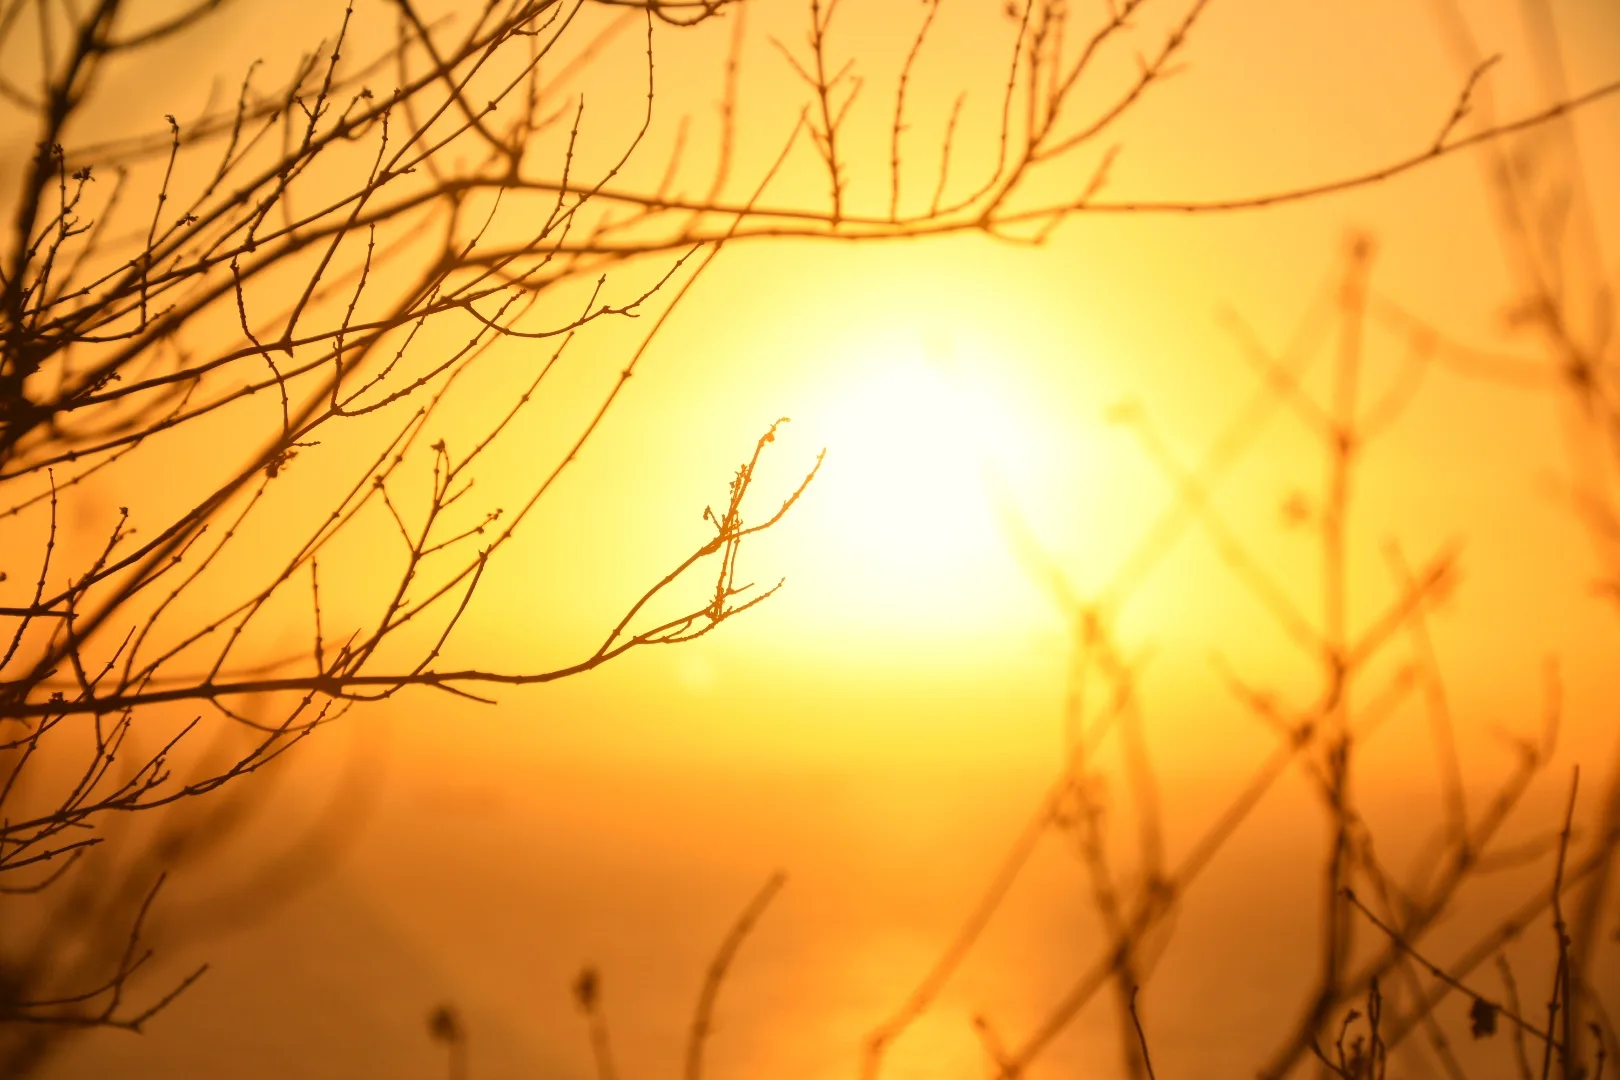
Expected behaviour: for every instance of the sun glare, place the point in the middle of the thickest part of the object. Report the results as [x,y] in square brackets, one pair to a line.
[915,435]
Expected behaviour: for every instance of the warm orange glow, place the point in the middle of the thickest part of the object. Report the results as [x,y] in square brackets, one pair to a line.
[1156,504]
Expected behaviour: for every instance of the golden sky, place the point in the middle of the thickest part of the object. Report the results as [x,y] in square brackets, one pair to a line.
[882,726]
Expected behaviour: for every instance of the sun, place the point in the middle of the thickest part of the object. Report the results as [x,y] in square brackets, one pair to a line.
[911,440]
[920,439]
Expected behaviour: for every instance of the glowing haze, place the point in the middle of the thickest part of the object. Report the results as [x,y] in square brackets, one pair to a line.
[1002,421]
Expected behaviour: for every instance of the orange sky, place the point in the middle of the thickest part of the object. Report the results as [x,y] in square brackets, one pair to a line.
[882,726]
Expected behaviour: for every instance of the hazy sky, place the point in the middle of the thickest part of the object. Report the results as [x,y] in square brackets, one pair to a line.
[881,727]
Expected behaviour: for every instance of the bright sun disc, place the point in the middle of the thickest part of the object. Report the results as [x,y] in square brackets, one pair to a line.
[912,442]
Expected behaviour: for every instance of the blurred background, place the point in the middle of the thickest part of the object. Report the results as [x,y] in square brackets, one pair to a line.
[885,727]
